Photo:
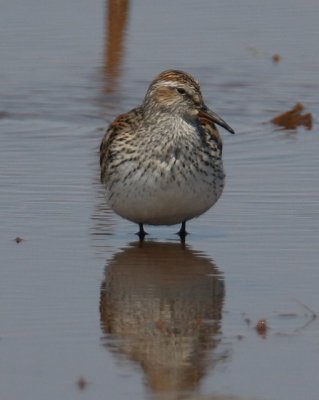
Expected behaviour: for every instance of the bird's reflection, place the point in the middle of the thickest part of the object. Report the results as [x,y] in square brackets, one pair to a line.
[161,307]
[115,28]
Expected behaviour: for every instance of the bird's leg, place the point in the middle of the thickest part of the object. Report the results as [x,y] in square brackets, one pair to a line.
[182,232]
[141,233]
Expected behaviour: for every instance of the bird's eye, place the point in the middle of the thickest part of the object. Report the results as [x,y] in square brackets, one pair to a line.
[181,90]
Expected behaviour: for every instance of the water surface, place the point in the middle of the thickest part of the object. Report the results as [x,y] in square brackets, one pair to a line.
[79,297]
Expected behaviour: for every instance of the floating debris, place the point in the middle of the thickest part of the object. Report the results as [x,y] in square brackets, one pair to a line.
[293,118]
[18,239]
[246,319]
[82,383]
[276,58]
[261,327]
[4,114]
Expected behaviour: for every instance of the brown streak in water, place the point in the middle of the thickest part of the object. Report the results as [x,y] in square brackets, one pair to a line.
[117,16]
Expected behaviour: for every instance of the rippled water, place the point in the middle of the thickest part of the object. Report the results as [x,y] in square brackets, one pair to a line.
[79,297]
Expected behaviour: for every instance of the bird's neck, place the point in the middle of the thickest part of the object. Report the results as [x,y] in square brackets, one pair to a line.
[158,114]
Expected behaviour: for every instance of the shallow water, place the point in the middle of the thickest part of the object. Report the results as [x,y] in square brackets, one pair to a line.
[79,297]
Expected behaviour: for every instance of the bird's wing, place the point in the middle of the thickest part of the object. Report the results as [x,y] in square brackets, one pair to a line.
[122,127]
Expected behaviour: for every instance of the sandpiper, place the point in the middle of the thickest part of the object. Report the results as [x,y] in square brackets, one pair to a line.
[161,163]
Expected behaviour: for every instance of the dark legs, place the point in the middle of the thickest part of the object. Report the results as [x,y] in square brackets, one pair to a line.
[182,232]
[141,233]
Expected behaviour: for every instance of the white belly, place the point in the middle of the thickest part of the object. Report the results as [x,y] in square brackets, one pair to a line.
[157,198]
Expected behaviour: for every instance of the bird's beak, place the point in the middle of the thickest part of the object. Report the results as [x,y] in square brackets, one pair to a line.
[215,118]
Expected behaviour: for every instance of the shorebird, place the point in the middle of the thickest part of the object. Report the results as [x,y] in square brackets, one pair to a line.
[161,162]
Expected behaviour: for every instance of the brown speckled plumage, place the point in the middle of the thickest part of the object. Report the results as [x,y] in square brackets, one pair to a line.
[161,162]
